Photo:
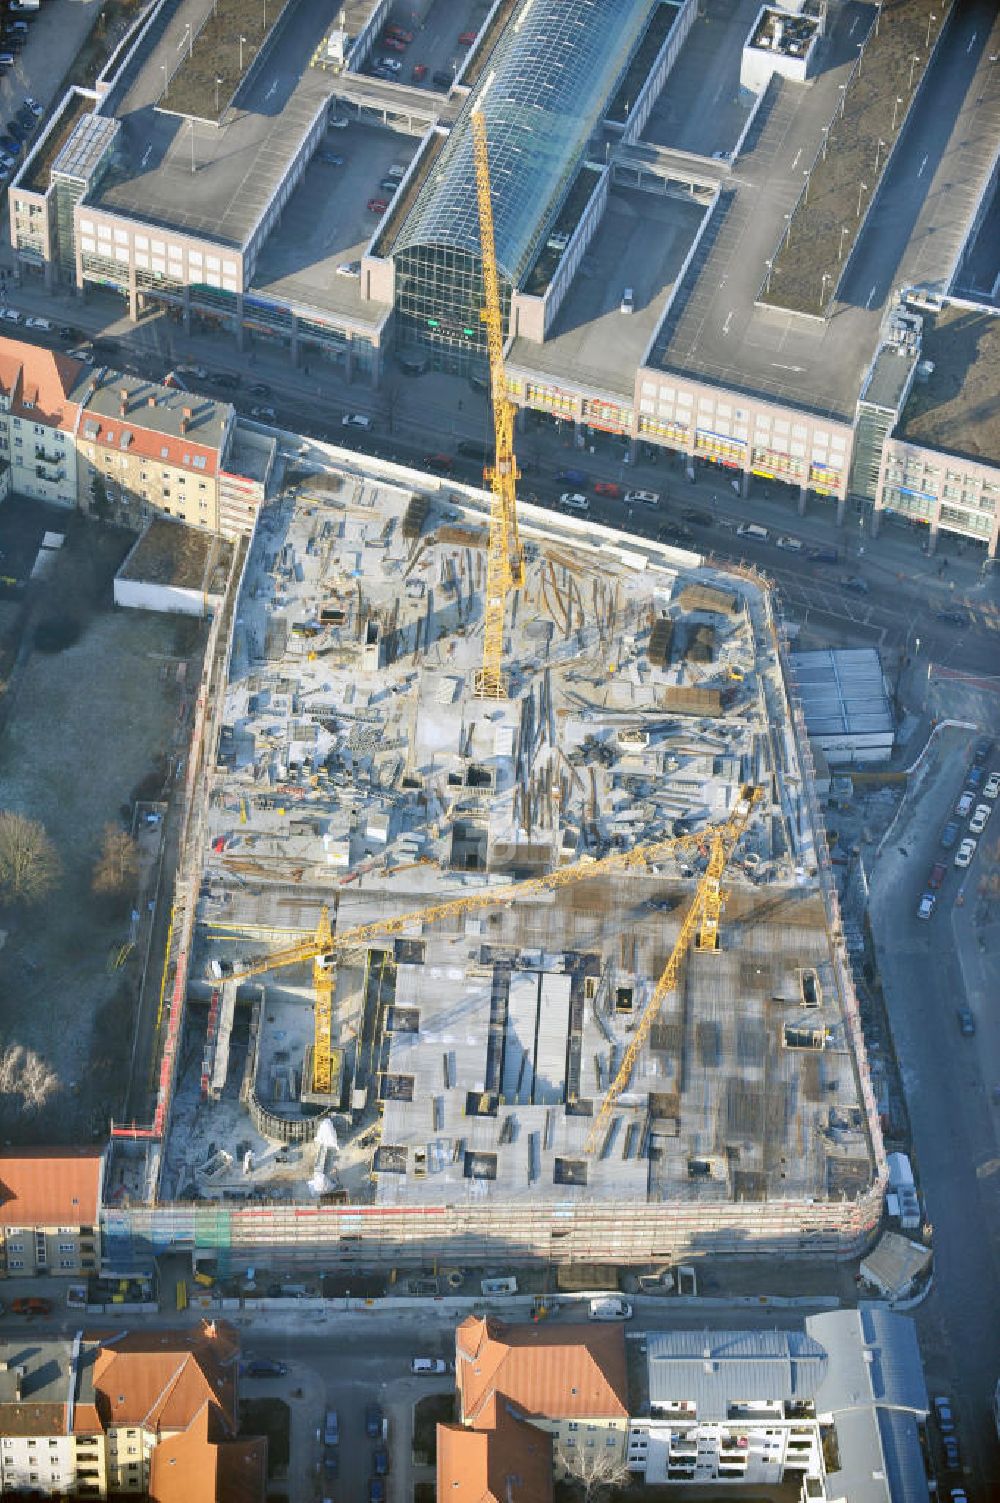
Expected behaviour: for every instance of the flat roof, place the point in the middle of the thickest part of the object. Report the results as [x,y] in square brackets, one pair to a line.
[168,553]
[957,408]
[642,242]
[702,107]
[715,332]
[890,373]
[240,163]
[326,223]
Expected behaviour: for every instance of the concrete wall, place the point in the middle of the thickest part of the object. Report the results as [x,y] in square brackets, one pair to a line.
[143,595]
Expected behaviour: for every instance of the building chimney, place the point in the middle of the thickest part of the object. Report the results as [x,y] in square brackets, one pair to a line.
[151,401]
[123,395]
[20,1373]
[188,412]
[184,425]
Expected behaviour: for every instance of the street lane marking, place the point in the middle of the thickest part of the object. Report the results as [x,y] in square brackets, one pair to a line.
[923,164]
[854,27]
[871,295]
[972,41]
[795,162]
[725,326]
[146,154]
[272,90]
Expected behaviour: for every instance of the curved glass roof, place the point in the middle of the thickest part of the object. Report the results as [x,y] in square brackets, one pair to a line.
[546,86]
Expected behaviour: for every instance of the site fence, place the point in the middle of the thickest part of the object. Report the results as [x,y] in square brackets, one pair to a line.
[839,953]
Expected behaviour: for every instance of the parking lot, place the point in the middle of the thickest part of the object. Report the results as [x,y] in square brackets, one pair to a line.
[327,222]
[435,47]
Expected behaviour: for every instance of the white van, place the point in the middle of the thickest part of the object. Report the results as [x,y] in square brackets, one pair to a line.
[752,531]
[396,172]
[642,498]
[610,1309]
[356,420]
[573,501]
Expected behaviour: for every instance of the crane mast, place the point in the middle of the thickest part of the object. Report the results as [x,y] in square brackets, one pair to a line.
[505,561]
[705,910]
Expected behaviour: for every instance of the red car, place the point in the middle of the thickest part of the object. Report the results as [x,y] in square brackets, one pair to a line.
[31,1306]
[377,205]
[419,72]
[438,461]
[606,488]
[937,875]
[394,44]
[397,31]
[467,38]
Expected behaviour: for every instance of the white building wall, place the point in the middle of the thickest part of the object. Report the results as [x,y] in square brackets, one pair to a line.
[141,595]
[762,1454]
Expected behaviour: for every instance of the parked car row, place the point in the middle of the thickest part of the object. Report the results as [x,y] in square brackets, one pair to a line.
[978,814]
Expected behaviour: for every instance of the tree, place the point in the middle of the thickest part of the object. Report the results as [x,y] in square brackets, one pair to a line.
[99,493]
[595,1469]
[29,865]
[392,392]
[26,1083]
[117,867]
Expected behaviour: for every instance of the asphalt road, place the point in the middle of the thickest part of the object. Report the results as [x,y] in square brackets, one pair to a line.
[948,1079]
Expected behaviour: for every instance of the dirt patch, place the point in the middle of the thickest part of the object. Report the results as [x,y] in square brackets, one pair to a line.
[210,71]
[847,172]
[436,1409]
[270,1417]
[85,728]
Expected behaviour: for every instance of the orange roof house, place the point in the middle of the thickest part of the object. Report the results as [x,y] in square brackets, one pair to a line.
[38,383]
[546,1372]
[50,1186]
[161,1380]
[510,1462]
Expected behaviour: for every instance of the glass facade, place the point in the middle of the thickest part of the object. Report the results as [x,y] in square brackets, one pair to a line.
[542,94]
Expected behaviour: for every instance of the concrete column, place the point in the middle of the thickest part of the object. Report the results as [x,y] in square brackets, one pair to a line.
[841,509]
[51,275]
[521,419]
[186,311]
[744,484]
[803,499]
[241,333]
[632,450]
[293,349]
[349,362]
[578,435]
[133,296]
[932,538]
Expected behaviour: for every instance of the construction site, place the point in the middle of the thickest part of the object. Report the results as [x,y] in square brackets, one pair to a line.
[511,930]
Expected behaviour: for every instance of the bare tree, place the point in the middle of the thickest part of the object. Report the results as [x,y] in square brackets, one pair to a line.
[595,1469]
[29,865]
[26,1082]
[391,393]
[117,867]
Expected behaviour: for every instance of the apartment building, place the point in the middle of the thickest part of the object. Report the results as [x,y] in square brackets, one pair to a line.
[535,1402]
[40,396]
[147,1413]
[49,1203]
[835,1406]
[146,449]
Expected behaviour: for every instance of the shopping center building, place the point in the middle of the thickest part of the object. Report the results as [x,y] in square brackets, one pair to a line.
[644,193]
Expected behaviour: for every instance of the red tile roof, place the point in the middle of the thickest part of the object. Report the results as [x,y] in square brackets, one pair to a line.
[149,443]
[39,382]
[511,1463]
[161,1380]
[50,1186]
[200,1466]
[567,1372]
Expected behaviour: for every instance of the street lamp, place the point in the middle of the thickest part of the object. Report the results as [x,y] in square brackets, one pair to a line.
[826,140]
[895,111]
[878,151]
[862,190]
[242,40]
[843,98]
[914,60]
[843,232]
[930,22]
[189,38]
[805,191]
[218,81]
[822,290]
[166,79]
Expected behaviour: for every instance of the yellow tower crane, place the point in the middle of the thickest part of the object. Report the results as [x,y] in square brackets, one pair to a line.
[505,561]
[706,909]
[322,945]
